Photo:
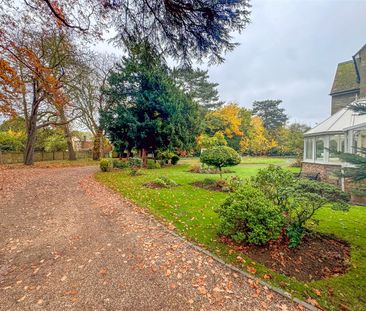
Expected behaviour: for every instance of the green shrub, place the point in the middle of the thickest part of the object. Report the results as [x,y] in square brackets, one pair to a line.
[135,165]
[164,156]
[151,164]
[219,157]
[331,193]
[272,181]
[165,182]
[105,165]
[234,183]
[209,181]
[120,164]
[294,234]
[248,216]
[175,159]
[303,199]
[135,162]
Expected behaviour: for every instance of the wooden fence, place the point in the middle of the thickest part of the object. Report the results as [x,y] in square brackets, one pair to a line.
[17,157]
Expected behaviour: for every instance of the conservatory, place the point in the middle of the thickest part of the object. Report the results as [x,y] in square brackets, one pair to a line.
[344,131]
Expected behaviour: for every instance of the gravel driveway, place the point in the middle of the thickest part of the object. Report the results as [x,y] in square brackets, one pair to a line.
[68,243]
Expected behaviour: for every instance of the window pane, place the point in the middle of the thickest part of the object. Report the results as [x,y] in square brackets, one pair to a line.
[333,148]
[309,149]
[319,150]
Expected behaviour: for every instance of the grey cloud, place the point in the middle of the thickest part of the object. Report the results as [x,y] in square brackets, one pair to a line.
[290,52]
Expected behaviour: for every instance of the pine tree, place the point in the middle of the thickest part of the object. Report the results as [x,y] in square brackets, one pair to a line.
[195,82]
[147,110]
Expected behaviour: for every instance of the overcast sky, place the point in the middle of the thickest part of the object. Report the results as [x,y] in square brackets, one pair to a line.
[290,51]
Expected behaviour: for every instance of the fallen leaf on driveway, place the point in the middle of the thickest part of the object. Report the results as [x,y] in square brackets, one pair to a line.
[72,292]
[202,290]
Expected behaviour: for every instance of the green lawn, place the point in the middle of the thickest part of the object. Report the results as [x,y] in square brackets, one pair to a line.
[191,210]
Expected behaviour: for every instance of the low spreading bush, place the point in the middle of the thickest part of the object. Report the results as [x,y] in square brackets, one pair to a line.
[165,182]
[135,165]
[105,165]
[135,162]
[207,170]
[248,216]
[152,164]
[120,164]
[209,181]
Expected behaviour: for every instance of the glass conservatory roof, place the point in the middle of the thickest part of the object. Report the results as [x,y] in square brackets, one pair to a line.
[338,123]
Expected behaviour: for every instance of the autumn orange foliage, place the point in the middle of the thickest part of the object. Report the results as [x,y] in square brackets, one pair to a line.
[10,87]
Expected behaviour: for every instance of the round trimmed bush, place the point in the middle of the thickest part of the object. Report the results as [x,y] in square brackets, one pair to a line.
[248,216]
[105,165]
[220,156]
[174,160]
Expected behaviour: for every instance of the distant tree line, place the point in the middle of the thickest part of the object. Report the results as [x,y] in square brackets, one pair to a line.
[262,130]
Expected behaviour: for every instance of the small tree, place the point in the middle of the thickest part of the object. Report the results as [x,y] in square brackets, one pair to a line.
[220,156]
[299,199]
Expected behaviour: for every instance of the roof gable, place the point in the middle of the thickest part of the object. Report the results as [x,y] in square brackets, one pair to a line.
[345,78]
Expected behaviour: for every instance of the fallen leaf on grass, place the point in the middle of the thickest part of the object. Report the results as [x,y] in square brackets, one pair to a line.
[251,269]
[267,276]
[317,292]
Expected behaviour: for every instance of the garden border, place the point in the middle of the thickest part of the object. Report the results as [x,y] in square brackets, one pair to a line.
[233,268]
[162,224]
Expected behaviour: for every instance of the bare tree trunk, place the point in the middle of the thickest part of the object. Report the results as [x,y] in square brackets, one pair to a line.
[144,155]
[98,144]
[70,146]
[31,141]
[67,132]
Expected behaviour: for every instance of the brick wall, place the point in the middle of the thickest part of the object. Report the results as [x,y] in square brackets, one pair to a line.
[341,101]
[327,175]
[326,171]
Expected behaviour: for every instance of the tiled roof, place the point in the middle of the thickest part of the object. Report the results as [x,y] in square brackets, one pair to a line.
[345,78]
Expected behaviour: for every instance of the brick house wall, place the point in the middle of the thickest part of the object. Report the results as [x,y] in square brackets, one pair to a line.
[340,101]
[327,175]
[326,172]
